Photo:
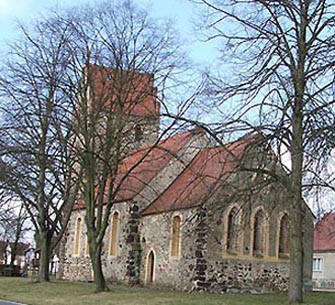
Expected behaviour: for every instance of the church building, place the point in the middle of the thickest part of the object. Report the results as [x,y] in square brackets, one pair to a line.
[192,215]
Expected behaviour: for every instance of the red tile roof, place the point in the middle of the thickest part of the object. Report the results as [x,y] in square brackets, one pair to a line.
[148,163]
[208,170]
[131,92]
[144,163]
[324,233]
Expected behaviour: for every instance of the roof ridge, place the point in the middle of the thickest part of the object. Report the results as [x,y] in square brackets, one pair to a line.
[162,141]
[171,153]
[217,153]
[165,190]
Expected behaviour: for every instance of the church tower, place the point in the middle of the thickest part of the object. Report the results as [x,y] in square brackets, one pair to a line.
[130,95]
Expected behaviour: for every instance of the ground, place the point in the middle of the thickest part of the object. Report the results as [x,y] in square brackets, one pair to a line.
[57,293]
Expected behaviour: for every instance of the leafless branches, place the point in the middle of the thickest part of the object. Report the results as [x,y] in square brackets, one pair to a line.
[283,55]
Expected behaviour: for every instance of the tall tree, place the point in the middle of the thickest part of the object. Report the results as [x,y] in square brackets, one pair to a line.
[70,121]
[13,228]
[35,131]
[279,59]
[13,223]
[127,61]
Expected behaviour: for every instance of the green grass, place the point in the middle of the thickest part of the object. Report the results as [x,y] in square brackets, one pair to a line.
[59,292]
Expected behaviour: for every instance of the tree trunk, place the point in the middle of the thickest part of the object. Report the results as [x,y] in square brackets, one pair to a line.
[296,229]
[45,253]
[296,252]
[99,279]
[296,207]
[13,255]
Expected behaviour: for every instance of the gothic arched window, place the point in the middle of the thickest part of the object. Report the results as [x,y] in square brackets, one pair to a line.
[259,233]
[77,238]
[114,238]
[284,246]
[138,133]
[232,231]
[175,237]
[150,272]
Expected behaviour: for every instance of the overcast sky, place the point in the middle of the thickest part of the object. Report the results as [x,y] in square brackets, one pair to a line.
[182,11]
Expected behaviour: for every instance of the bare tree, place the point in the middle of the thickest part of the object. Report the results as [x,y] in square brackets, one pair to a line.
[13,228]
[127,62]
[282,84]
[35,131]
[13,222]
[14,219]
[70,121]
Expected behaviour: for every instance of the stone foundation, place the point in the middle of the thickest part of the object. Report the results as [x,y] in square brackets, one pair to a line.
[239,276]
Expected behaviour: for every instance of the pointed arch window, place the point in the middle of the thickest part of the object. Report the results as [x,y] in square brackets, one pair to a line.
[77,238]
[175,237]
[150,270]
[284,245]
[232,231]
[259,233]
[114,237]
[138,133]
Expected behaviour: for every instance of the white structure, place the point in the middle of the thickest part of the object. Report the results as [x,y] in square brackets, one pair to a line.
[324,252]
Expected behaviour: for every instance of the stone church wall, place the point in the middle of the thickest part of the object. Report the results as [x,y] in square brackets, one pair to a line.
[252,276]
[242,270]
[78,267]
[175,273]
[114,267]
[204,264]
[75,267]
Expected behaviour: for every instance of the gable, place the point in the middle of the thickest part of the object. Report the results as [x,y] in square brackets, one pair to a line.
[204,175]
[141,165]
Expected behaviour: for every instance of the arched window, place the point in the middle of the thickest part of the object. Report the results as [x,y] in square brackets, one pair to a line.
[138,133]
[114,238]
[77,238]
[284,245]
[150,270]
[232,231]
[259,233]
[175,237]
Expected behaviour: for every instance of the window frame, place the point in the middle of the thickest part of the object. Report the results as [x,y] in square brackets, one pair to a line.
[175,251]
[114,236]
[77,236]
[138,133]
[265,233]
[238,235]
[319,265]
[280,254]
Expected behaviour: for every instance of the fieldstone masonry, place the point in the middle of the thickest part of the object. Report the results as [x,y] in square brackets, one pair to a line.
[200,267]
[133,241]
[196,181]
[144,240]
[200,279]
[247,276]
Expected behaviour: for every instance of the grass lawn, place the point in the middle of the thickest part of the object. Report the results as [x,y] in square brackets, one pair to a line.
[59,292]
